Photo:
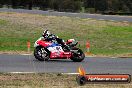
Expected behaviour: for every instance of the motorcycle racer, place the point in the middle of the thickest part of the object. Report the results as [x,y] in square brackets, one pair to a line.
[47,36]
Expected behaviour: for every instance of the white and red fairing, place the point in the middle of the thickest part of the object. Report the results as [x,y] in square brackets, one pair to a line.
[56,50]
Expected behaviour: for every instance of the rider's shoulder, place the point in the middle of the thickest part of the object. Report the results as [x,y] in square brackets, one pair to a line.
[41,37]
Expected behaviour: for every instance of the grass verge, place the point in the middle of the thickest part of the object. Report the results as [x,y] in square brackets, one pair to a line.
[106,37]
[48,80]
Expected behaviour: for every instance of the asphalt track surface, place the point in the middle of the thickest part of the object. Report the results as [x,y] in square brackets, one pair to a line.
[80,15]
[27,63]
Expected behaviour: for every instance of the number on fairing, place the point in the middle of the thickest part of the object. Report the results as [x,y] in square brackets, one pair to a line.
[58,48]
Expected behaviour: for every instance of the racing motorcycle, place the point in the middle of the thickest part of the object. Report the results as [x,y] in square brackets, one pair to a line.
[45,51]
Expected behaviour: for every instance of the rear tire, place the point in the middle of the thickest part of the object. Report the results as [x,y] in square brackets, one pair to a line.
[41,54]
[79,56]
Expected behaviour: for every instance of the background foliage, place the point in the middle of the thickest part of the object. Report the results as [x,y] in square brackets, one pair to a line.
[92,6]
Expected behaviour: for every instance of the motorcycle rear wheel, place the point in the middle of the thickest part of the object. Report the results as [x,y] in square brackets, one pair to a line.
[78,57]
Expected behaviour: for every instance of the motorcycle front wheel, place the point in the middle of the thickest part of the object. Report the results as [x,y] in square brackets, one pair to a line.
[41,54]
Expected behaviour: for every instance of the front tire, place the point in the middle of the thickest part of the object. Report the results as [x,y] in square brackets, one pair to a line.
[41,54]
[78,56]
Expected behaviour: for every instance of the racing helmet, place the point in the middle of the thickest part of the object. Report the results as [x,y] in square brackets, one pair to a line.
[46,34]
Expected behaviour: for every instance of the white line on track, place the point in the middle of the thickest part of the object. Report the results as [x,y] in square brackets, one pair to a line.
[21,72]
[113,57]
[125,21]
[36,72]
[101,19]
[70,73]
[26,54]
[112,20]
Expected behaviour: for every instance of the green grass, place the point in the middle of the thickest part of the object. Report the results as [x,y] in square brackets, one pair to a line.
[106,37]
[113,40]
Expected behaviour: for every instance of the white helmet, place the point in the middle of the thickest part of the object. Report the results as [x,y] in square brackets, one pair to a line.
[46,34]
